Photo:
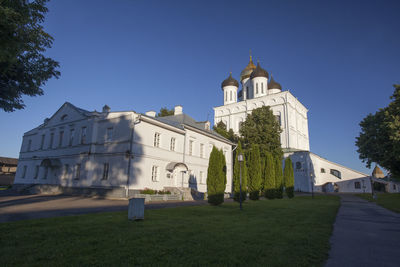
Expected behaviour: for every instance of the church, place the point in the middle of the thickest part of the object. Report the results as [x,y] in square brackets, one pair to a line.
[258,88]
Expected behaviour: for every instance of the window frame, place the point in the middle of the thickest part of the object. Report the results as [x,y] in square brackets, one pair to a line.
[24,169]
[156,141]
[60,138]
[51,140]
[191,142]
[109,134]
[36,174]
[172,144]
[83,135]
[77,171]
[154,173]
[106,169]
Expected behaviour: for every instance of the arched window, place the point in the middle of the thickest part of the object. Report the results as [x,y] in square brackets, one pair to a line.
[256,88]
[262,88]
[247,92]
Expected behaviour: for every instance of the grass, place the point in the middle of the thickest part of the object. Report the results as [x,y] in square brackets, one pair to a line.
[386,200]
[285,232]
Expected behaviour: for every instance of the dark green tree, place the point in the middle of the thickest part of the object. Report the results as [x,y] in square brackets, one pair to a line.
[379,139]
[262,128]
[165,112]
[220,128]
[216,178]
[24,69]
[288,178]
[269,177]
[254,172]
[236,175]
[278,178]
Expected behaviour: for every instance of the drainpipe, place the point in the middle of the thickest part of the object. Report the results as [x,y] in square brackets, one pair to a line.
[184,150]
[130,154]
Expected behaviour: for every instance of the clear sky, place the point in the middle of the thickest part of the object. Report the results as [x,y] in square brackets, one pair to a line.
[339,58]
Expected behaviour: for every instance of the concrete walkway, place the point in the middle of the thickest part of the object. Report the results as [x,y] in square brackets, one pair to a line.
[24,207]
[364,234]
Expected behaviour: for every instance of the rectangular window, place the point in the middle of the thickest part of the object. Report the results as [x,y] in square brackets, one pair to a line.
[172,146]
[83,135]
[106,167]
[29,145]
[157,139]
[201,150]
[36,172]
[226,96]
[51,140]
[190,147]
[42,141]
[262,88]
[278,119]
[24,171]
[46,172]
[77,171]
[322,170]
[256,88]
[230,93]
[154,174]
[336,173]
[66,170]
[201,174]
[60,139]
[109,134]
[71,137]
[357,185]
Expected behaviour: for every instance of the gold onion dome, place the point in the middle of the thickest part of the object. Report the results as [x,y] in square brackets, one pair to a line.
[273,84]
[248,70]
[230,81]
[377,172]
[259,72]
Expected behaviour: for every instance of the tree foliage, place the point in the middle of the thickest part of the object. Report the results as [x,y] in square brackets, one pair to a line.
[220,128]
[269,176]
[288,178]
[165,112]
[216,177]
[23,68]
[379,139]
[278,178]
[262,128]
[254,172]
[236,175]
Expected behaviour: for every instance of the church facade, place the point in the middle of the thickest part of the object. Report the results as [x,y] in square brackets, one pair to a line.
[312,172]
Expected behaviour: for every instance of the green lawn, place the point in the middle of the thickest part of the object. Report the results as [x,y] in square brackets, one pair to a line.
[386,200]
[285,232]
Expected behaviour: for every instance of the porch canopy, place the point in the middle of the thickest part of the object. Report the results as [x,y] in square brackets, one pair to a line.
[172,165]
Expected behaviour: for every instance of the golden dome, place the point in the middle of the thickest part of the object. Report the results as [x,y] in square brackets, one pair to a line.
[248,70]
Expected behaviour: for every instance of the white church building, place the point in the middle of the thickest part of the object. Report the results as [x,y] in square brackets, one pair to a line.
[76,148]
[257,89]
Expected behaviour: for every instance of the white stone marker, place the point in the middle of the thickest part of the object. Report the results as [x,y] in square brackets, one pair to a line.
[136,209]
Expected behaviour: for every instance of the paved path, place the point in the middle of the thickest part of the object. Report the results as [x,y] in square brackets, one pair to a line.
[364,234]
[24,207]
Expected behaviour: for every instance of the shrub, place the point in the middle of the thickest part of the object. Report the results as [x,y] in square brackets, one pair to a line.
[278,178]
[254,183]
[269,177]
[288,178]
[236,176]
[216,177]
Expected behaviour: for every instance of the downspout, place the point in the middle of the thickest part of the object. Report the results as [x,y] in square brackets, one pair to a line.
[184,150]
[130,154]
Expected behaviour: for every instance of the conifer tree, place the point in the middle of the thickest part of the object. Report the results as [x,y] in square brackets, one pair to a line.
[278,178]
[288,178]
[269,177]
[236,175]
[216,177]
[254,183]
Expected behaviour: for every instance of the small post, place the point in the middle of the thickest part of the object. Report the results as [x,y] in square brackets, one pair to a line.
[240,159]
[136,209]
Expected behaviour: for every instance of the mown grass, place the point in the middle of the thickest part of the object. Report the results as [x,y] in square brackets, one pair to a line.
[285,232]
[386,200]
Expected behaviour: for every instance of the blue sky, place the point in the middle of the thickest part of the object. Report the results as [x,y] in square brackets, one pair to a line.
[339,58]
